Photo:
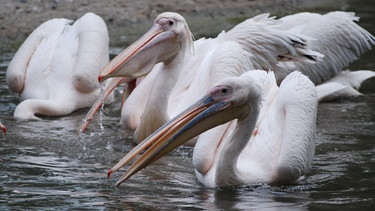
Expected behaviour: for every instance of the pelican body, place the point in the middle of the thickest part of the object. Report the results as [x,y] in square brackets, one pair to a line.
[55,70]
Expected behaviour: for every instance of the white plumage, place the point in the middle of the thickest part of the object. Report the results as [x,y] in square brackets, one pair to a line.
[183,75]
[55,70]
[281,143]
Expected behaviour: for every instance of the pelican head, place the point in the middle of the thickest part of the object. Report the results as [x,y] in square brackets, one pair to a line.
[168,36]
[230,99]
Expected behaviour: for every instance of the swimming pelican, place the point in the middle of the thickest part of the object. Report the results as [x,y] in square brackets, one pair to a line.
[272,138]
[55,70]
[182,75]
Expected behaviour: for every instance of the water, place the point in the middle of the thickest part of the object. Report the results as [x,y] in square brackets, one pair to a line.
[47,164]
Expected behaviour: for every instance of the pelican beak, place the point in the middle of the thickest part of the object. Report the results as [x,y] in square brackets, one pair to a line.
[203,115]
[109,87]
[138,59]
[3,128]
[158,44]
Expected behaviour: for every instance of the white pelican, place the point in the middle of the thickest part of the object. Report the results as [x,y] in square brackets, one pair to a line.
[272,139]
[55,70]
[183,76]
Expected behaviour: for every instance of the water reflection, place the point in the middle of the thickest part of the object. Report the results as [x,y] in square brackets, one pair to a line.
[47,164]
[263,197]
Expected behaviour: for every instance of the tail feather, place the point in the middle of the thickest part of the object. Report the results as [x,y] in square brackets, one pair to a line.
[344,84]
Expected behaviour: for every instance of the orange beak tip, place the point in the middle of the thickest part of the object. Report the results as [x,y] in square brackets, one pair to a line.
[100,78]
[109,173]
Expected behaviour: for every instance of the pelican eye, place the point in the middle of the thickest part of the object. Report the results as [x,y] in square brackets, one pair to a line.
[221,92]
[170,23]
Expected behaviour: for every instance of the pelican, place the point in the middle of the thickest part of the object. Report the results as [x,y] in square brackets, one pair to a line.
[55,70]
[256,132]
[177,66]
